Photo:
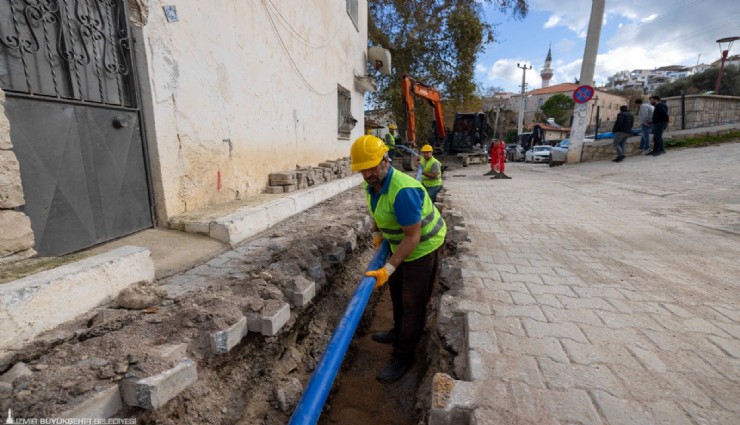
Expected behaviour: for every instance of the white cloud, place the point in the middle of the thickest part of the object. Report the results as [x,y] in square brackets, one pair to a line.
[636,34]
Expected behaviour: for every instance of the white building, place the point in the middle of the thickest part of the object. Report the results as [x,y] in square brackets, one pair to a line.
[171,109]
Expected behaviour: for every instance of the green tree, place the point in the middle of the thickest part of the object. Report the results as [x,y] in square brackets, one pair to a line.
[559,107]
[436,42]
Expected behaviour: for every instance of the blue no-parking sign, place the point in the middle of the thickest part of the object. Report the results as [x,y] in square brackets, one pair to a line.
[583,94]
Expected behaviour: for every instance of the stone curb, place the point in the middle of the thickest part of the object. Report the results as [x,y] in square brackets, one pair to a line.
[39,302]
[153,392]
[245,222]
[223,341]
[103,404]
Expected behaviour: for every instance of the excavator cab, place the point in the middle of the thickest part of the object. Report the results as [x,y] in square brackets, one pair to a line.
[470,133]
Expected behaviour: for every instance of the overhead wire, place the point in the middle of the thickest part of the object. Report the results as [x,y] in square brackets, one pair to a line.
[290,58]
[298,35]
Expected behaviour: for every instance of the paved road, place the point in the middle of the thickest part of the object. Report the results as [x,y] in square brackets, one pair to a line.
[603,292]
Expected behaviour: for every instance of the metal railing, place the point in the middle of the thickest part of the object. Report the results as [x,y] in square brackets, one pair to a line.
[312,402]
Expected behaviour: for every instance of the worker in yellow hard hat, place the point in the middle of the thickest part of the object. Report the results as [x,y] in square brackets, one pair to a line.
[431,172]
[390,141]
[405,216]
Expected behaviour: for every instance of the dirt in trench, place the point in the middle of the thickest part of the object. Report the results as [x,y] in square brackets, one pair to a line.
[260,380]
[358,397]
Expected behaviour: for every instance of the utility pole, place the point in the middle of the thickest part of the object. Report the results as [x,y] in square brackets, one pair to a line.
[578,130]
[520,123]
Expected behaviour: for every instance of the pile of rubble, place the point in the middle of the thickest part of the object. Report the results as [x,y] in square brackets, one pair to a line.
[304,177]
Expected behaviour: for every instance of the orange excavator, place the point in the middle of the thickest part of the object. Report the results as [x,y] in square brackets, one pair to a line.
[411,88]
[465,145]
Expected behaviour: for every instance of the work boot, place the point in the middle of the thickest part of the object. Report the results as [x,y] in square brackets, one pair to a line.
[394,370]
[385,337]
[491,173]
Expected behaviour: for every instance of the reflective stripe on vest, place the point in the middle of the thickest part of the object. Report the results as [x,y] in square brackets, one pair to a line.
[433,228]
[427,166]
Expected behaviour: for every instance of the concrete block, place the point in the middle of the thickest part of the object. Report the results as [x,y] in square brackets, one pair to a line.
[240,225]
[453,401]
[153,392]
[336,255]
[172,352]
[223,341]
[103,404]
[44,300]
[303,291]
[274,189]
[268,322]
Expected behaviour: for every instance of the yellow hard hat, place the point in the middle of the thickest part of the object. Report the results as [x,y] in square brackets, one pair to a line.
[366,152]
[427,148]
[392,126]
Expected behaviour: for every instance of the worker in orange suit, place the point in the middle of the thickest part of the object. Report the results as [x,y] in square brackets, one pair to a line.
[498,160]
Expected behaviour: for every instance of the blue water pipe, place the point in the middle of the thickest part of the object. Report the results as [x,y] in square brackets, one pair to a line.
[312,402]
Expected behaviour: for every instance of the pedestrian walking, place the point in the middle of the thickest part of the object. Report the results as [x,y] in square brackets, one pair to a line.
[431,172]
[660,123]
[404,215]
[622,130]
[644,117]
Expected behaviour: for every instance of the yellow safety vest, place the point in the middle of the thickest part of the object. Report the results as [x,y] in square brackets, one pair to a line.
[390,141]
[427,167]
[433,227]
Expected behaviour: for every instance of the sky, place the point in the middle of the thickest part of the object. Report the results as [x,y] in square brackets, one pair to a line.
[635,34]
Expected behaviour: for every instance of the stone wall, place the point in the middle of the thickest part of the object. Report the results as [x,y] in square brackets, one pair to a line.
[702,110]
[16,236]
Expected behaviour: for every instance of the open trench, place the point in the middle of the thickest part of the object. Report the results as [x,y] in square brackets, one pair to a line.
[261,379]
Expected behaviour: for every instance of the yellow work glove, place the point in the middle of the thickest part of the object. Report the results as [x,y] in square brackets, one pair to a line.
[381,275]
[377,239]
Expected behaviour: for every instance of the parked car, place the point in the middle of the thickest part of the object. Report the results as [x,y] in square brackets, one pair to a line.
[514,152]
[559,153]
[538,154]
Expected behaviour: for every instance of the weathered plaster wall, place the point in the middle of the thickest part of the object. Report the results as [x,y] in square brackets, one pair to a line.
[242,89]
[16,236]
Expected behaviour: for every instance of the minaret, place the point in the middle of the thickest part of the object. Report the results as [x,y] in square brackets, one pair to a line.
[546,73]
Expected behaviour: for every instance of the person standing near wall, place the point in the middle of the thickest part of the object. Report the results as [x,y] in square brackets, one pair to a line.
[390,141]
[622,130]
[644,117]
[431,174]
[660,123]
[405,216]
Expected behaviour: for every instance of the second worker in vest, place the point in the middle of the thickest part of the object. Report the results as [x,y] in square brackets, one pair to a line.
[390,141]
[431,172]
[405,216]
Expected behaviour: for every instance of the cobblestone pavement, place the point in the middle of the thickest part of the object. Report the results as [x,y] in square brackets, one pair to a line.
[604,292]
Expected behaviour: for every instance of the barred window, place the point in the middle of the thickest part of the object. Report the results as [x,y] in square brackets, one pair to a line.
[352,11]
[346,122]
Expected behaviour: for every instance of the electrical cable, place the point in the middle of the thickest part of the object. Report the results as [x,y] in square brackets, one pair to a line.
[290,58]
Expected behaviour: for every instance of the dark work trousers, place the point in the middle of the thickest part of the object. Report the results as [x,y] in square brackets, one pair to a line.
[658,129]
[411,287]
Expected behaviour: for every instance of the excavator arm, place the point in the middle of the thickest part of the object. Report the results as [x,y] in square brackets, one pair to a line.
[411,88]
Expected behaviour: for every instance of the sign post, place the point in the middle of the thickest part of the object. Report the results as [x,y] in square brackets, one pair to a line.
[581,96]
